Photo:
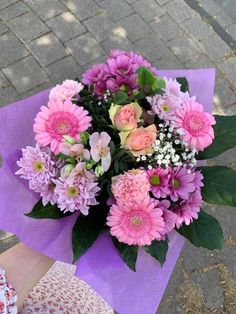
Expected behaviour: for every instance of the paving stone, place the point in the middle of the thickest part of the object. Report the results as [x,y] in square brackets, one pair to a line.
[224,95]
[166,28]
[148,9]
[8,243]
[162,1]
[63,69]
[135,27]
[205,281]
[25,74]
[210,6]
[201,61]
[84,48]
[184,48]
[28,26]
[179,10]
[13,11]
[46,9]
[101,59]
[228,67]
[35,90]
[130,1]
[11,49]
[116,9]
[3,28]
[66,26]
[232,31]
[117,42]
[7,96]
[197,28]
[223,19]
[4,235]
[229,7]
[231,110]
[82,9]
[6,3]
[100,26]
[214,47]
[151,47]
[169,62]
[3,81]
[47,49]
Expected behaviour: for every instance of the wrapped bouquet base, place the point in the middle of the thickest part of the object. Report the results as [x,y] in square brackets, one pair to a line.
[101,266]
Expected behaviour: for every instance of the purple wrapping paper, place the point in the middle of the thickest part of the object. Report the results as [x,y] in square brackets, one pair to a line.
[101,267]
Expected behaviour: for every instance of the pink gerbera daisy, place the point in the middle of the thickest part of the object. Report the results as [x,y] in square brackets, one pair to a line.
[196,124]
[136,224]
[58,119]
[182,183]
[159,181]
[189,209]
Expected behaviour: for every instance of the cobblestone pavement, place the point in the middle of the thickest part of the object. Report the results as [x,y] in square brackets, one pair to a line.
[43,42]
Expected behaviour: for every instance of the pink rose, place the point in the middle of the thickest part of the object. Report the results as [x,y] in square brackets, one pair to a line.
[66,90]
[125,117]
[139,141]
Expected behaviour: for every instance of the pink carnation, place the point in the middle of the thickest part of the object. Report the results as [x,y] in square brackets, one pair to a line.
[136,224]
[58,119]
[196,124]
[66,90]
[132,186]
[189,209]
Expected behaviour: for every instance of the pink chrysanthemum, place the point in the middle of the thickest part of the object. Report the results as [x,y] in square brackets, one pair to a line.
[159,181]
[132,186]
[37,166]
[172,87]
[189,209]
[97,76]
[182,183]
[58,119]
[136,224]
[198,177]
[77,191]
[196,124]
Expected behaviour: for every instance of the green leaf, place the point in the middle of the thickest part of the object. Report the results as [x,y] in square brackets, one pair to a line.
[86,230]
[158,250]
[219,185]
[160,83]
[149,83]
[204,232]
[184,84]
[128,253]
[40,211]
[225,137]
[121,98]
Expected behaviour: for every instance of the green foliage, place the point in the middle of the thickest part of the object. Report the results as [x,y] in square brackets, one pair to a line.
[48,211]
[225,137]
[121,98]
[129,253]
[148,83]
[184,84]
[121,160]
[219,185]
[158,250]
[204,232]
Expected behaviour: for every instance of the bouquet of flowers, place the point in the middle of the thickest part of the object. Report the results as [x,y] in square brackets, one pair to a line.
[119,150]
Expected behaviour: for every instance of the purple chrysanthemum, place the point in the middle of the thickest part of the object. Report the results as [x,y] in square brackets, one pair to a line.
[97,76]
[182,183]
[120,66]
[159,181]
[198,177]
[189,209]
[76,192]
[126,84]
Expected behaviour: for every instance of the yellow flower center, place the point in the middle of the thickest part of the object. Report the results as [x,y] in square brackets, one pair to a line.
[136,221]
[155,180]
[38,166]
[73,191]
[176,183]
[165,108]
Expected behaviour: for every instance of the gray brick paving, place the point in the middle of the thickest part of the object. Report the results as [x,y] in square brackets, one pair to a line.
[66,26]
[46,9]
[44,42]
[47,49]
[25,74]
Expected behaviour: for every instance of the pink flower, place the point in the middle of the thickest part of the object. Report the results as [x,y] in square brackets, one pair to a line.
[120,65]
[97,76]
[189,209]
[125,117]
[172,87]
[159,181]
[170,219]
[198,177]
[125,84]
[66,90]
[77,192]
[74,150]
[139,141]
[37,166]
[196,124]
[58,119]
[182,183]
[137,223]
[100,150]
[131,186]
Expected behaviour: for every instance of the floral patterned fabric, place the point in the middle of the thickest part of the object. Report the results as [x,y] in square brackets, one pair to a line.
[60,292]
[7,295]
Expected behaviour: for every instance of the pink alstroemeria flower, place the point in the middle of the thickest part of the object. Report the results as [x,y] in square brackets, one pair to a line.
[100,150]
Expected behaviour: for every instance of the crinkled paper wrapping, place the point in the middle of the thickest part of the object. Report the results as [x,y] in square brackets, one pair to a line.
[101,267]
